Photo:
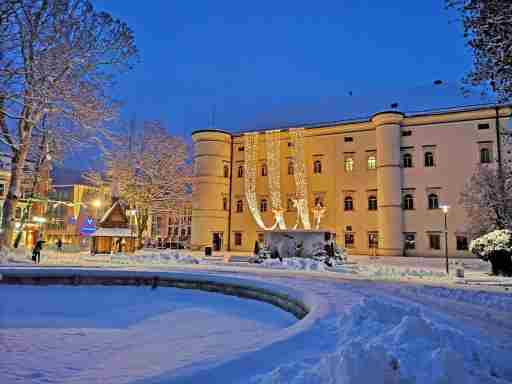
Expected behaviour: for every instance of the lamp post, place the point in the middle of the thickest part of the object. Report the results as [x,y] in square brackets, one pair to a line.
[445,209]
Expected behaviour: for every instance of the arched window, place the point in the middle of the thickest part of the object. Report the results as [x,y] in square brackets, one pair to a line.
[226,171]
[407,160]
[429,159]
[317,166]
[408,202]
[239,206]
[241,171]
[485,155]
[372,162]
[263,205]
[372,203]
[349,164]
[433,201]
[349,203]
[290,167]
[264,170]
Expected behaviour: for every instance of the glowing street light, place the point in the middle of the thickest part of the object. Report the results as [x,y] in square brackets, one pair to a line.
[445,209]
[39,219]
[96,203]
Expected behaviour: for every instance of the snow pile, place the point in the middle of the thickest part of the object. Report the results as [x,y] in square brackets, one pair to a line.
[381,342]
[153,258]
[14,256]
[294,263]
[387,272]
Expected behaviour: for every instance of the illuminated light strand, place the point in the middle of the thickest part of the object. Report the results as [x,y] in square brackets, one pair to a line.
[250,160]
[273,146]
[319,213]
[301,202]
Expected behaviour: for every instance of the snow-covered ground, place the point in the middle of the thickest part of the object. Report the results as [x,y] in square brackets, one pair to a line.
[358,332]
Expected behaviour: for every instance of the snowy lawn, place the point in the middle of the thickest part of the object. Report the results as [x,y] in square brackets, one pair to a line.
[406,333]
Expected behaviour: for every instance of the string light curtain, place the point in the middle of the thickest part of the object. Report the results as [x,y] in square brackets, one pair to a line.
[299,168]
[250,162]
[273,146]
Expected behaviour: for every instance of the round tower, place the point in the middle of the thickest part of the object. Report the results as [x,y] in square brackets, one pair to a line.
[211,193]
[389,182]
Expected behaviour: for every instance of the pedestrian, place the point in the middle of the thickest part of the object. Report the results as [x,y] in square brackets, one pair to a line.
[59,245]
[36,252]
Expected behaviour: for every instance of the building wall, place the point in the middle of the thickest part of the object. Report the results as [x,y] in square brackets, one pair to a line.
[454,139]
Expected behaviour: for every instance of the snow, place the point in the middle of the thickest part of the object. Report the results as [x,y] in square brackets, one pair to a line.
[357,331]
[294,263]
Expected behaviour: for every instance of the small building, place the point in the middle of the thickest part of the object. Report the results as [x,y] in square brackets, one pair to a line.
[114,233]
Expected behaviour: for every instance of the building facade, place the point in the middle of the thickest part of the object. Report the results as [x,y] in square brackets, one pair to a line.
[171,229]
[377,183]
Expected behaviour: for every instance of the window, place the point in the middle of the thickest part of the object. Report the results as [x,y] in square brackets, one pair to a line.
[407,160]
[264,170]
[407,133]
[373,240]
[241,149]
[17,213]
[409,241]
[263,205]
[290,167]
[408,202]
[225,203]
[433,201]
[372,203]
[462,243]
[317,166]
[483,126]
[226,170]
[429,159]
[348,139]
[290,144]
[349,164]
[434,241]
[349,203]
[239,206]
[261,238]
[241,171]
[289,205]
[485,155]
[2,189]
[319,200]
[372,162]
[238,238]
[349,240]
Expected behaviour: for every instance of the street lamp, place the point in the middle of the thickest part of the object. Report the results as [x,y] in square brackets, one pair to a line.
[445,209]
[96,204]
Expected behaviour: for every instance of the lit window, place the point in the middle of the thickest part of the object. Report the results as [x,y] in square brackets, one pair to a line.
[433,201]
[372,162]
[407,160]
[290,167]
[241,171]
[239,206]
[263,205]
[373,240]
[429,159]
[485,155]
[238,238]
[349,239]
[372,203]
[317,166]
[410,241]
[434,241]
[349,203]
[264,170]
[226,171]
[349,164]
[408,202]
[462,243]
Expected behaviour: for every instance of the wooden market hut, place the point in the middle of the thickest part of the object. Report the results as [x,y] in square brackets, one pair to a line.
[114,233]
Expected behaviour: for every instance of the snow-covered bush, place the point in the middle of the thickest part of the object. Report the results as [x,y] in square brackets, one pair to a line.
[495,247]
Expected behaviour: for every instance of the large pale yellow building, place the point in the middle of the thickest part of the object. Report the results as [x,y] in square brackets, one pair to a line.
[380,180]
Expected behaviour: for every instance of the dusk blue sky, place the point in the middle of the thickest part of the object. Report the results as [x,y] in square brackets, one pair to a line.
[273,63]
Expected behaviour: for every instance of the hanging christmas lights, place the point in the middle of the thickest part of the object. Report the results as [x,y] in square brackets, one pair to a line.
[273,146]
[297,136]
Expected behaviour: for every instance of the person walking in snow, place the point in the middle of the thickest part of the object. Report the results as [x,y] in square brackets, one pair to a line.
[36,252]
[59,245]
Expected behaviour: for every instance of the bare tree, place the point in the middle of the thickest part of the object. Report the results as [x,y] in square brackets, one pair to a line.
[488,30]
[152,172]
[487,199]
[58,59]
